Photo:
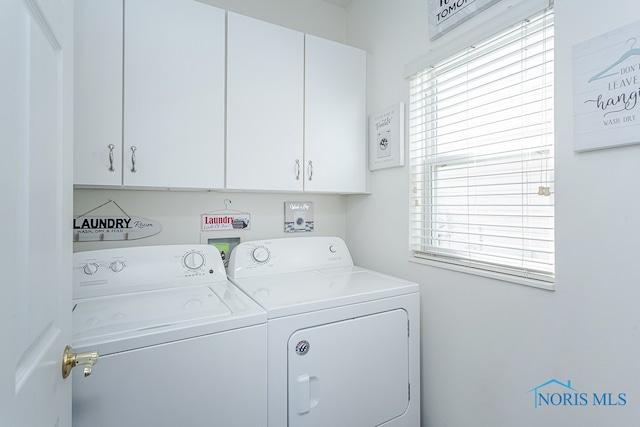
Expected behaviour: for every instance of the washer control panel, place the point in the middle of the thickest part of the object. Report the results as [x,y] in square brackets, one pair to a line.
[286,255]
[113,271]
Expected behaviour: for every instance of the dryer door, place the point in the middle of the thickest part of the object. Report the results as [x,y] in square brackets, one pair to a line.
[350,373]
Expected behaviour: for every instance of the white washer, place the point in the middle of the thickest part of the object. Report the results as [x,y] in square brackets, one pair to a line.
[178,343]
[343,341]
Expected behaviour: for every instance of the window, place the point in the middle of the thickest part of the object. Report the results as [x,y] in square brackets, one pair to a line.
[481,149]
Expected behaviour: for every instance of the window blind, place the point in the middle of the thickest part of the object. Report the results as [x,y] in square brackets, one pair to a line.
[481,154]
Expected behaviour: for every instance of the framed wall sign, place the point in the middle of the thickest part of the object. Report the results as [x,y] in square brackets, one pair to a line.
[606,94]
[298,217]
[447,14]
[386,138]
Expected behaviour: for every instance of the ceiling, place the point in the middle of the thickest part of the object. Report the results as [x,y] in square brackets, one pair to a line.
[341,3]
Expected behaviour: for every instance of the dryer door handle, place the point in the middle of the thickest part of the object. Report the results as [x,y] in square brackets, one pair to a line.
[307,390]
[303,392]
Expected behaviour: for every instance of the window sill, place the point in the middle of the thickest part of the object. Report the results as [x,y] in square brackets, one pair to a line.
[549,286]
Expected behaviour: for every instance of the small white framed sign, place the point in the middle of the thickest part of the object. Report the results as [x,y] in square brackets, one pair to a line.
[386,138]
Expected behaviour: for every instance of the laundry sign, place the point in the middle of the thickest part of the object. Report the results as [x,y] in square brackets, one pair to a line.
[447,14]
[112,227]
[606,94]
[226,221]
[97,228]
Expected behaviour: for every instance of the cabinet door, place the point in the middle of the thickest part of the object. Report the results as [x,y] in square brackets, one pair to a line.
[98,93]
[265,66]
[174,58]
[335,117]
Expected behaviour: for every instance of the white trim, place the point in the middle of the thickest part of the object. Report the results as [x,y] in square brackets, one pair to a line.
[548,286]
[41,18]
[495,19]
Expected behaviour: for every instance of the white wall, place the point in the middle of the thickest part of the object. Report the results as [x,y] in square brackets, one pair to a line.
[486,343]
[179,212]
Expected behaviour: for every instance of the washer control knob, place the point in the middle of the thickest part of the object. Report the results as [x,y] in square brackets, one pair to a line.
[91,268]
[260,254]
[193,260]
[117,266]
[332,249]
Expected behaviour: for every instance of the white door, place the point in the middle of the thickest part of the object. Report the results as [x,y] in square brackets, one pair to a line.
[36,49]
[349,373]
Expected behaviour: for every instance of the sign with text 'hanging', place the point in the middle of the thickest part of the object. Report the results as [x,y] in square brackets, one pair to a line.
[606,90]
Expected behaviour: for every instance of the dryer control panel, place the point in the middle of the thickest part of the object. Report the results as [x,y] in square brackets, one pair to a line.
[288,255]
[133,269]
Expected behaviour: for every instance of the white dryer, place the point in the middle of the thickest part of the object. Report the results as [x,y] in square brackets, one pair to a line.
[343,341]
[179,344]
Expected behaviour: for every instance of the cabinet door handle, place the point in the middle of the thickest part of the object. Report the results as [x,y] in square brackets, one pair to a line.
[133,158]
[297,169]
[310,170]
[111,147]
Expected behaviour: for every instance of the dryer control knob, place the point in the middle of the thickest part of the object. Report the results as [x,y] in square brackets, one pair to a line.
[260,254]
[91,268]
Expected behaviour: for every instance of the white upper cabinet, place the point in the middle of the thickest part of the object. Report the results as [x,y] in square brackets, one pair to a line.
[335,117]
[265,100]
[174,93]
[168,123]
[150,101]
[296,113]
[98,92]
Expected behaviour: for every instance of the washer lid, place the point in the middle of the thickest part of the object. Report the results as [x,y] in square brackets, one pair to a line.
[123,322]
[302,292]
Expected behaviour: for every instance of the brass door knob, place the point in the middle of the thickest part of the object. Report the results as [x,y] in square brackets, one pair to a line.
[70,360]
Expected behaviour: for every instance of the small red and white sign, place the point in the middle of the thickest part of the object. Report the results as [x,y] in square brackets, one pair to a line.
[226,221]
